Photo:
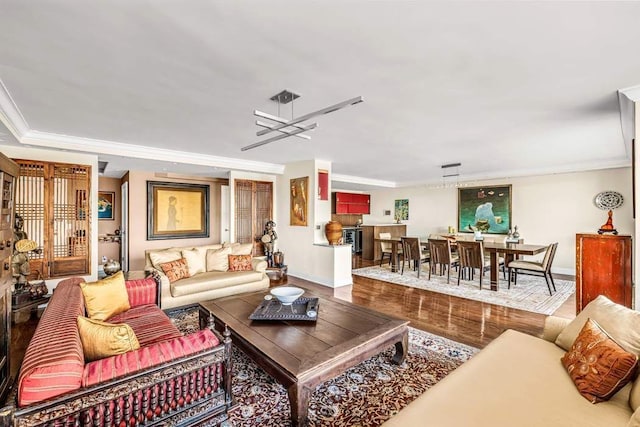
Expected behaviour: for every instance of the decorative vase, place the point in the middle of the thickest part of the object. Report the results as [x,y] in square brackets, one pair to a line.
[111,267]
[278,259]
[333,231]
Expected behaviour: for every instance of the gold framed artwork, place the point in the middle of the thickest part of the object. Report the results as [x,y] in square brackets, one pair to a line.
[299,201]
[106,200]
[177,211]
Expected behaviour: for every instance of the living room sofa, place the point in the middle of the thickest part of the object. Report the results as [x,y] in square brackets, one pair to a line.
[519,380]
[171,378]
[207,279]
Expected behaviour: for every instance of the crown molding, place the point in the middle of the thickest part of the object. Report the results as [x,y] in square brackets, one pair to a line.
[97,146]
[11,115]
[363,181]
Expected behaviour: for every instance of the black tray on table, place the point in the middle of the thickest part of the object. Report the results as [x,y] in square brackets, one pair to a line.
[273,310]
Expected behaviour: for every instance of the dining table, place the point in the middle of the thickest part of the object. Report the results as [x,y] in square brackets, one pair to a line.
[511,251]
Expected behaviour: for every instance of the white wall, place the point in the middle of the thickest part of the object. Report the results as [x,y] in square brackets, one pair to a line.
[546,208]
[307,253]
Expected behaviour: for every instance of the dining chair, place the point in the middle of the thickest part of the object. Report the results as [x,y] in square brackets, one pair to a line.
[471,257]
[412,251]
[535,268]
[386,249]
[440,254]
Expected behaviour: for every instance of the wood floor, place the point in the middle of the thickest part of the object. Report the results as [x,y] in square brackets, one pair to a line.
[467,321]
[470,322]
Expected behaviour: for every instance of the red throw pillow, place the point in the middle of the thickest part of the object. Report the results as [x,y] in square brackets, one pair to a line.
[176,270]
[240,263]
[597,365]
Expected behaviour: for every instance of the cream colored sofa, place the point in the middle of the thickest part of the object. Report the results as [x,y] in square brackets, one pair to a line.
[204,285]
[519,380]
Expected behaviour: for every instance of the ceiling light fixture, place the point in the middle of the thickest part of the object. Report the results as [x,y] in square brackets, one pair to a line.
[293,127]
[449,173]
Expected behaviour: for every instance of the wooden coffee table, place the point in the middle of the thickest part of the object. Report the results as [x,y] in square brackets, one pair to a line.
[300,354]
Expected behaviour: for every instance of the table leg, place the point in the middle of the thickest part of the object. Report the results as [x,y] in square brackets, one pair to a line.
[401,349]
[495,260]
[299,396]
[394,256]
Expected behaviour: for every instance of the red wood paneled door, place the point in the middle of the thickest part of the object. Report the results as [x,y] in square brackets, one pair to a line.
[603,267]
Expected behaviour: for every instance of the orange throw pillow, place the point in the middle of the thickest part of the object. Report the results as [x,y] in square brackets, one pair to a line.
[597,365]
[176,270]
[240,263]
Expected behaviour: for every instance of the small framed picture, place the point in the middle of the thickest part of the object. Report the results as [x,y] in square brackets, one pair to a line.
[106,200]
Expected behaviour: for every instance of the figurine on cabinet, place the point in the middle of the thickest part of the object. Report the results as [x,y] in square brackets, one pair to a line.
[269,237]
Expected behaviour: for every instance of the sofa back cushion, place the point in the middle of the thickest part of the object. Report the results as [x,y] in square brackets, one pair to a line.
[621,323]
[240,248]
[106,297]
[218,259]
[149,323]
[153,355]
[54,360]
[196,260]
[157,257]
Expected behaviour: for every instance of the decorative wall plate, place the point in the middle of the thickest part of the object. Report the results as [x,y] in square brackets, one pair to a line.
[608,200]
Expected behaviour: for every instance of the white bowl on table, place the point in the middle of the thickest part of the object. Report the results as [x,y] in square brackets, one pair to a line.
[287,294]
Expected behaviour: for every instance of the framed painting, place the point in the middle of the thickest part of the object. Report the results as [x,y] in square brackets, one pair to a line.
[177,211]
[299,201]
[486,209]
[106,201]
[401,211]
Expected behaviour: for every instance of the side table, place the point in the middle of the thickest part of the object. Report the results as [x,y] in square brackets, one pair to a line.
[20,313]
[277,274]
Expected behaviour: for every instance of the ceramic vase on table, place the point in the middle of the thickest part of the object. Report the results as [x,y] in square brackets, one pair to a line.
[333,232]
[111,267]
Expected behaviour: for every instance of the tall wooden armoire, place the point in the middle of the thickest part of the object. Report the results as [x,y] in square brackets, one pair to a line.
[603,267]
[8,175]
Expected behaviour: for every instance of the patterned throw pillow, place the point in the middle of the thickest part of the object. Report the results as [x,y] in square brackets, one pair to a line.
[176,270]
[240,263]
[597,365]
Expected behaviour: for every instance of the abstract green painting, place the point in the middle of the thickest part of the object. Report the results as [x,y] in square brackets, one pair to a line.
[486,209]
[401,210]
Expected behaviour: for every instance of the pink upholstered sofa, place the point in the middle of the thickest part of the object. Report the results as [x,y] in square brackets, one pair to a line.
[171,376]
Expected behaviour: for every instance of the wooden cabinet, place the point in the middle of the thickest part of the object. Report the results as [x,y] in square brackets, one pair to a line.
[8,175]
[603,267]
[371,248]
[351,203]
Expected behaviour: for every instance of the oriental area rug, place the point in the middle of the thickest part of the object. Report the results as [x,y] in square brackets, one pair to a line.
[530,294]
[366,395]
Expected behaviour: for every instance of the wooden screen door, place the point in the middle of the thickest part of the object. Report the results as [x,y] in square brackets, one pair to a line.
[53,201]
[254,207]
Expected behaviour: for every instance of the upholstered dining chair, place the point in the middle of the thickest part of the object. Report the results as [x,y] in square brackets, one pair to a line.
[440,253]
[385,248]
[471,257]
[535,268]
[412,251]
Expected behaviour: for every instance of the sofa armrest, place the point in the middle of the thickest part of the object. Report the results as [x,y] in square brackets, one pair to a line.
[553,325]
[164,286]
[143,291]
[259,264]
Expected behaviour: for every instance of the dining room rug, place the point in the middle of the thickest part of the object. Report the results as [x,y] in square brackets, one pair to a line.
[530,294]
[366,395]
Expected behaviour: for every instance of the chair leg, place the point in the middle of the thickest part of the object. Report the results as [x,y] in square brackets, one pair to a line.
[481,275]
[546,278]
[419,267]
[552,282]
[509,279]
[448,272]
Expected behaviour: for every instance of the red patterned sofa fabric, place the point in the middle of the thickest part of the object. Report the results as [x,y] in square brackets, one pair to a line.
[155,354]
[54,362]
[142,291]
[149,323]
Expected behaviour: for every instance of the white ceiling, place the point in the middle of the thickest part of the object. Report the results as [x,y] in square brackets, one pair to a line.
[506,88]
